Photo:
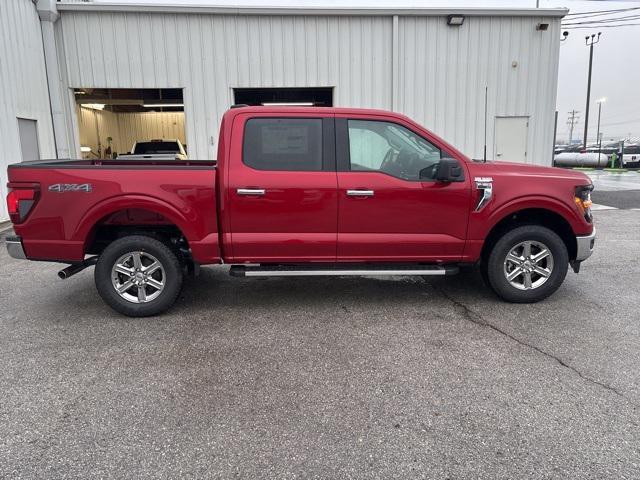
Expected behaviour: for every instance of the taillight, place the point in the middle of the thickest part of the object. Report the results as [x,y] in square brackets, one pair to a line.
[583,200]
[21,199]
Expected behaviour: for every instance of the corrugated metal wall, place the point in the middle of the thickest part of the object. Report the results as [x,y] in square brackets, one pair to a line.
[441,71]
[23,83]
[126,128]
[208,55]
[444,72]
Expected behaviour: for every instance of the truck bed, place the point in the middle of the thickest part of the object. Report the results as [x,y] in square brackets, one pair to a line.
[76,197]
[108,163]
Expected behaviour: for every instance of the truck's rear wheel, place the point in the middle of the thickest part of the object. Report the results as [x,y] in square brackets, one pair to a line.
[138,276]
[527,264]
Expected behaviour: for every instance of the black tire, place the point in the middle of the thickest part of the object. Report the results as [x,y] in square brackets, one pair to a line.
[494,266]
[170,274]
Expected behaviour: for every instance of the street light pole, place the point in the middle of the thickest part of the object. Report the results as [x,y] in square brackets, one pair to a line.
[600,102]
[590,42]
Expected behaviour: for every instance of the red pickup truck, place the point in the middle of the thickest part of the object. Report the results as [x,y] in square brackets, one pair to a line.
[298,192]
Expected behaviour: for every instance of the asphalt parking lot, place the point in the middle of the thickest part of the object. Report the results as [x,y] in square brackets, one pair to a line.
[615,190]
[326,378]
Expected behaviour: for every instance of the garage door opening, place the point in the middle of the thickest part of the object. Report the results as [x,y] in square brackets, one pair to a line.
[318,97]
[112,120]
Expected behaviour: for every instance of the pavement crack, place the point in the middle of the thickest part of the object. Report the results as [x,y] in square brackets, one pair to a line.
[476,318]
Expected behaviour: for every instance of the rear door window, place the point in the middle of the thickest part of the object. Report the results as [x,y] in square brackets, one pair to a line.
[285,144]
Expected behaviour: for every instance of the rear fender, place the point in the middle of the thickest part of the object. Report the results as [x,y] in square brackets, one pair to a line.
[204,245]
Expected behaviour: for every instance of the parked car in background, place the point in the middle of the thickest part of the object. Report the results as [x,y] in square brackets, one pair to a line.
[303,192]
[567,148]
[157,149]
[559,149]
[631,156]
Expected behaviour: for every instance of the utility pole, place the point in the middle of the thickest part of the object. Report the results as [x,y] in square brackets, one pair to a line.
[572,120]
[589,42]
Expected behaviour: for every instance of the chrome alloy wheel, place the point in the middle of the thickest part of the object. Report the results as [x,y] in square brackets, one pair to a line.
[528,265]
[138,277]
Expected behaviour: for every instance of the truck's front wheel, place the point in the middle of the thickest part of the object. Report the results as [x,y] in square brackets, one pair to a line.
[527,264]
[138,276]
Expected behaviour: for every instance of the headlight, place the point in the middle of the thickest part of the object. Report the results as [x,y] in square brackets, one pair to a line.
[583,200]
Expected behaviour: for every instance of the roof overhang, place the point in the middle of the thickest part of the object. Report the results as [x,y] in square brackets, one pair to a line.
[300,10]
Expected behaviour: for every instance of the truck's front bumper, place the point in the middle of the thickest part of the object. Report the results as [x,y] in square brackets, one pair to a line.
[585,246]
[14,247]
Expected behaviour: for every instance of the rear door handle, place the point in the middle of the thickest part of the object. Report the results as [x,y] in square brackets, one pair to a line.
[360,193]
[250,191]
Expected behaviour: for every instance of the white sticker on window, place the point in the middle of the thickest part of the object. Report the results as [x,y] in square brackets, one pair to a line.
[285,139]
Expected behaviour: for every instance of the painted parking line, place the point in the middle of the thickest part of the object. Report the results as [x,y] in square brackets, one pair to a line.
[595,207]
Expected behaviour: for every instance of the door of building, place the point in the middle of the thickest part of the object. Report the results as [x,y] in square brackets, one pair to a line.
[511,139]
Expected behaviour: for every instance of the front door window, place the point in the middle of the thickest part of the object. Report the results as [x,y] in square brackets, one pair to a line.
[390,148]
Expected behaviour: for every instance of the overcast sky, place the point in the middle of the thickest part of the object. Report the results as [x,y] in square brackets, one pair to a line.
[616,74]
[616,71]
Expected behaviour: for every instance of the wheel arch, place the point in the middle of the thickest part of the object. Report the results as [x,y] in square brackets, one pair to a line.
[133,213]
[531,216]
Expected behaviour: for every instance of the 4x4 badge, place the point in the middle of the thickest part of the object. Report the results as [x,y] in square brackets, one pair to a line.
[70,187]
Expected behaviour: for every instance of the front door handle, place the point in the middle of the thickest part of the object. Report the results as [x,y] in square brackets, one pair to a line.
[360,193]
[250,191]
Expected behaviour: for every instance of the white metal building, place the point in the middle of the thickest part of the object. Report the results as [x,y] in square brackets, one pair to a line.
[409,60]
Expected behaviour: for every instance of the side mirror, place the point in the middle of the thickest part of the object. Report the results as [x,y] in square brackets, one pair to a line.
[449,170]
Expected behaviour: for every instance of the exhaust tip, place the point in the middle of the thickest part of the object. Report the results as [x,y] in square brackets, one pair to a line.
[62,274]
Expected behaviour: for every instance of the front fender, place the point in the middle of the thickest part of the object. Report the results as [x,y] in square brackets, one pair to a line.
[481,223]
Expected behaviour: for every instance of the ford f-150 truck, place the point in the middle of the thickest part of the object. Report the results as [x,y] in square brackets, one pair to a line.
[303,191]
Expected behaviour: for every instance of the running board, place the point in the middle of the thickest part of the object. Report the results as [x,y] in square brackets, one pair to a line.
[339,270]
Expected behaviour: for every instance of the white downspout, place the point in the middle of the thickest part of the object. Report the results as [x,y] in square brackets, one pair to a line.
[48,14]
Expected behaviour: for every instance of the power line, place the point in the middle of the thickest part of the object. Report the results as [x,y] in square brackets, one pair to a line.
[598,18]
[622,114]
[633,120]
[605,20]
[601,26]
[600,12]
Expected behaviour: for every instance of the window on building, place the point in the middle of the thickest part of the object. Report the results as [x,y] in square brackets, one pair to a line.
[293,144]
[28,131]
